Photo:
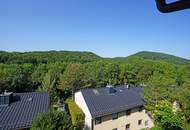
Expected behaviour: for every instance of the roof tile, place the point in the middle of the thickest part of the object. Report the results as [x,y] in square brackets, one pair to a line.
[101,103]
[19,114]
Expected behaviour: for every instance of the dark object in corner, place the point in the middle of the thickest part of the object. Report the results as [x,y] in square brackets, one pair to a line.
[174,6]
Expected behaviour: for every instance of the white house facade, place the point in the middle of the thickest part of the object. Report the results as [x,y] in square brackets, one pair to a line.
[113,108]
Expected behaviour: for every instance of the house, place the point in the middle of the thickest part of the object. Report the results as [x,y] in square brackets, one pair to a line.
[17,110]
[113,108]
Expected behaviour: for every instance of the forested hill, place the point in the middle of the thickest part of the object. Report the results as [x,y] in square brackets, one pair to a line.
[47,56]
[82,57]
[160,57]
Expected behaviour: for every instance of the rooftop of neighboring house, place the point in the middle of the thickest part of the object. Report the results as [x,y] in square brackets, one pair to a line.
[17,110]
[109,100]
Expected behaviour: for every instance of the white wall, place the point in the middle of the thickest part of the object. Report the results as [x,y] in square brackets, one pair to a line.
[83,106]
[123,120]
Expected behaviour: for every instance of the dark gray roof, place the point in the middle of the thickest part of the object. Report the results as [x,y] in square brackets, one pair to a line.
[21,112]
[101,103]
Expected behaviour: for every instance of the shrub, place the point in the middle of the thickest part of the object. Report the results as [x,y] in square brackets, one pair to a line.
[156,127]
[166,118]
[77,116]
[52,120]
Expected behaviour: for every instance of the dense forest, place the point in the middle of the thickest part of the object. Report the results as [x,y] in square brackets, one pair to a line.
[157,56]
[60,73]
[46,57]
[32,71]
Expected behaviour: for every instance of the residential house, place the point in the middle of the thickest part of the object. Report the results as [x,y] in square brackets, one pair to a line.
[17,110]
[113,108]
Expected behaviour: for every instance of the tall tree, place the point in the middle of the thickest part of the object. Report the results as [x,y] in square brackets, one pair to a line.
[71,80]
[113,72]
[159,87]
[38,75]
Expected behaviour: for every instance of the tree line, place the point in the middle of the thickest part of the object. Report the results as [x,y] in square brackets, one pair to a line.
[31,77]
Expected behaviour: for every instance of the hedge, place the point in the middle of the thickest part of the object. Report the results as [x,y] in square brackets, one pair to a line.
[77,116]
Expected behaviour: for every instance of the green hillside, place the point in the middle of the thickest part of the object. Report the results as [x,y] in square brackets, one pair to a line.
[161,57]
[47,56]
[82,57]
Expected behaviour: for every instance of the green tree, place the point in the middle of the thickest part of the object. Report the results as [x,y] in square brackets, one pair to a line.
[128,74]
[52,120]
[18,77]
[146,72]
[98,72]
[38,75]
[154,93]
[184,72]
[71,79]
[113,72]
[183,94]
[123,73]
[48,82]
[4,74]
[166,118]
[51,79]
[2,85]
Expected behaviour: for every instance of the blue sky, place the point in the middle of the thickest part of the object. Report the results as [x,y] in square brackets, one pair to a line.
[108,28]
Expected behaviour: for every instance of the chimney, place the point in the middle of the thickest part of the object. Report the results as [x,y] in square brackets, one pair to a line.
[5,98]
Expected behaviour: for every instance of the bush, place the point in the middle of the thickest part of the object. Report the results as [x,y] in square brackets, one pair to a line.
[156,127]
[77,116]
[52,120]
[166,118]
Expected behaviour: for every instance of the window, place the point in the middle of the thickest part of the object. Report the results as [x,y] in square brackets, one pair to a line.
[98,120]
[146,123]
[114,116]
[141,108]
[114,129]
[128,112]
[139,122]
[127,127]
